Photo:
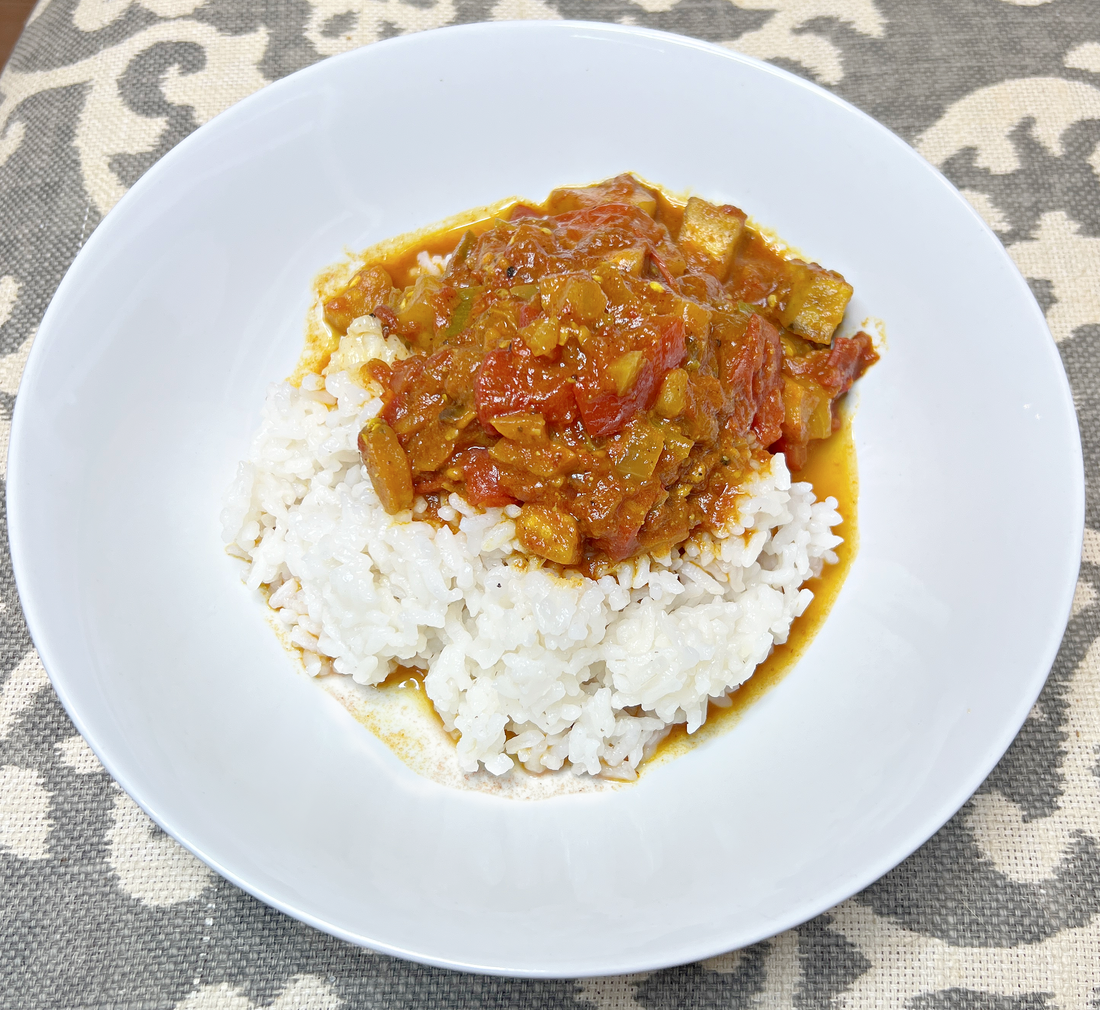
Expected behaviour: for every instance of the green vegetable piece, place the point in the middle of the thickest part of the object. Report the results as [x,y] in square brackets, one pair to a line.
[465,247]
[460,317]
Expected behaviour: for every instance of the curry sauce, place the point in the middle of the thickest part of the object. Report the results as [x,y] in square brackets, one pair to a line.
[612,363]
[611,366]
[832,470]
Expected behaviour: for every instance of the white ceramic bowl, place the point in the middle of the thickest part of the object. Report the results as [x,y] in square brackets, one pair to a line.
[146,381]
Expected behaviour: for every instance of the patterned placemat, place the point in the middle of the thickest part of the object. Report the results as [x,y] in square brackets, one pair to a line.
[1001,909]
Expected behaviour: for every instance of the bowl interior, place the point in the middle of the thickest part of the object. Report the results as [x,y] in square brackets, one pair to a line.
[145,385]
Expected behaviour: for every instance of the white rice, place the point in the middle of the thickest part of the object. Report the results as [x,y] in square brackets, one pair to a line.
[524,666]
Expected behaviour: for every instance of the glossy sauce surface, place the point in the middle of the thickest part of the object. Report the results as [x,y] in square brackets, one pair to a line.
[760,276]
[613,364]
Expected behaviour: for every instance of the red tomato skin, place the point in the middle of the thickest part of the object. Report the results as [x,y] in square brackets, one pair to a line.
[767,425]
[620,545]
[849,358]
[751,375]
[622,542]
[528,313]
[576,223]
[431,483]
[837,367]
[509,381]
[767,382]
[604,412]
[483,487]
[739,363]
[404,373]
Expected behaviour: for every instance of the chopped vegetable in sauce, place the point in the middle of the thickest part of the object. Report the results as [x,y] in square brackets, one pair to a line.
[613,363]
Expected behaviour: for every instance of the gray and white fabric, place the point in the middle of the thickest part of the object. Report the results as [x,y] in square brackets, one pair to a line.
[1001,909]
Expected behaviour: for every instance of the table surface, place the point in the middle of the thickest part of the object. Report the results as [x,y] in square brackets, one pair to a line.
[13,15]
[1001,909]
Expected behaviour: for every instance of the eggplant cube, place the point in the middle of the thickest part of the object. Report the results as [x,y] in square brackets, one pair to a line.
[710,235]
[817,302]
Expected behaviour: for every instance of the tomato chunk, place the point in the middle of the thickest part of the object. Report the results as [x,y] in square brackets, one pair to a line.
[510,380]
[751,362]
[619,384]
[603,410]
[482,477]
[767,381]
[836,367]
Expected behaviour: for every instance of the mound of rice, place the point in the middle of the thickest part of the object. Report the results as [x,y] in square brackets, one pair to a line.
[524,664]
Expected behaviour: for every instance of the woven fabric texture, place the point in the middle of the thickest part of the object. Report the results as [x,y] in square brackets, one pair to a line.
[1001,909]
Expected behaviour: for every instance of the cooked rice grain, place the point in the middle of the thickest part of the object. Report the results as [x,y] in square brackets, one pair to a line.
[526,665]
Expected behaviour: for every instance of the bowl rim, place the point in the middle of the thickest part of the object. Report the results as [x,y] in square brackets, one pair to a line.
[35,603]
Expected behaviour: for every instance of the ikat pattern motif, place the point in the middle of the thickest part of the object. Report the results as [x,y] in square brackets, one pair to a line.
[999,911]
